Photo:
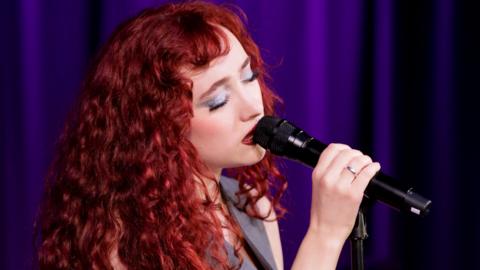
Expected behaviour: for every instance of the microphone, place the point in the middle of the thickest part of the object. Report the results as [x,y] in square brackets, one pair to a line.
[284,139]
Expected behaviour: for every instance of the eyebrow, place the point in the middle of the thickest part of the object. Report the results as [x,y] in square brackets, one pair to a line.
[223,80]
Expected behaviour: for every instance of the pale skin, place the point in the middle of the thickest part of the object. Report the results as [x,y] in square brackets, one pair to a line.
[217,134]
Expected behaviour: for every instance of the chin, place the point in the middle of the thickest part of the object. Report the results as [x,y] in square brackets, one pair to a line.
[261,151]
[255,155]
[247,158]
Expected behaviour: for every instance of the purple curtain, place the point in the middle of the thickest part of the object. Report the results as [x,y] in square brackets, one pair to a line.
[396,79]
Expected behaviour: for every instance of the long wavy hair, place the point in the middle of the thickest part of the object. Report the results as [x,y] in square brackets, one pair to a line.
[124,173]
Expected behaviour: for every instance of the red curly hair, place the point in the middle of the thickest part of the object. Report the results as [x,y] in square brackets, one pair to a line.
[121,182]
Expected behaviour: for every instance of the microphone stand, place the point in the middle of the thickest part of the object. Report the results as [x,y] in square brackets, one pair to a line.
[359,233]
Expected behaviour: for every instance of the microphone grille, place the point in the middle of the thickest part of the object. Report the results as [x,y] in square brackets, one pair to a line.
[272,133]
[265,130]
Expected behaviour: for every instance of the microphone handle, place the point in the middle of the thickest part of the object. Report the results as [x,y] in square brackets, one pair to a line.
[307,150]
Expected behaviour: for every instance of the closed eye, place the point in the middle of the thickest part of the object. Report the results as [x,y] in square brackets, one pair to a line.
[251,76]
[217,106]
[218,101]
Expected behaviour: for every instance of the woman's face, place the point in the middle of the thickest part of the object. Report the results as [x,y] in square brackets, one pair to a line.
[227,104]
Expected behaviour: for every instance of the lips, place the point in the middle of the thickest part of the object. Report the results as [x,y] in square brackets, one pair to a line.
[248,139]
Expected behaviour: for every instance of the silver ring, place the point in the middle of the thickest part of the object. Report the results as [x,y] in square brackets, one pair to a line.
[352,170]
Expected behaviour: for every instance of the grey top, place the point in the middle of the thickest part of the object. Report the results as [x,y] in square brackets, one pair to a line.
[253,230]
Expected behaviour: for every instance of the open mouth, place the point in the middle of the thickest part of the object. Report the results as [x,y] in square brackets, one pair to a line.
[248,139]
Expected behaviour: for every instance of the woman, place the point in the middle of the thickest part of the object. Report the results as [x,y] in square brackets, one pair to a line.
[169,104]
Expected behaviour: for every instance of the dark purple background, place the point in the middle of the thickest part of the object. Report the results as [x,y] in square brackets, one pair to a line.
[397,79]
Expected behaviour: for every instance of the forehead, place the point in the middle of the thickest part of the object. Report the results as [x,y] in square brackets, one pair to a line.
[219,67]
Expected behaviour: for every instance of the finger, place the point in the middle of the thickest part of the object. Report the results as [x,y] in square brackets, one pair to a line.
[364,177]
[341,161]
[328,155]
[354,167]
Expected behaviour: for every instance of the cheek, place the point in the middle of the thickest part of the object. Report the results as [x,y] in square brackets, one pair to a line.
[203,131]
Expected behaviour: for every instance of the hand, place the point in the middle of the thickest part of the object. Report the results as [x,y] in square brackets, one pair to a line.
[337,192]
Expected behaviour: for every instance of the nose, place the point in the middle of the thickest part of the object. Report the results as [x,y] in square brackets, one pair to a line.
[250,115]
[250,104]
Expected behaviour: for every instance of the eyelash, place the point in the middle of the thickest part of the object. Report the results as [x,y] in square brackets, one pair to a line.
[213,108]
[254,76]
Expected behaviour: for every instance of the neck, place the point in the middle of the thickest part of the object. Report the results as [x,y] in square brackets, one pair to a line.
[211,183]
